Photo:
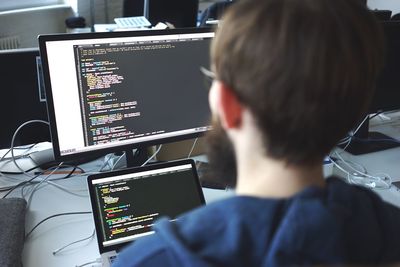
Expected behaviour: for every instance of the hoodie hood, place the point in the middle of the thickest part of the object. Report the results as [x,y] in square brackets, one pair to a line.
[333,225]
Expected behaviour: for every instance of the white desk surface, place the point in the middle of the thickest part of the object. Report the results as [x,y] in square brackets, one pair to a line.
[60,231]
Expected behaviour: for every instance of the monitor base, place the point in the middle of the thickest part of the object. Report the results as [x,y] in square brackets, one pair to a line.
[374,142]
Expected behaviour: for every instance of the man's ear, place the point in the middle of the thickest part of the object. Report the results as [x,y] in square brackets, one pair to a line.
[230,108]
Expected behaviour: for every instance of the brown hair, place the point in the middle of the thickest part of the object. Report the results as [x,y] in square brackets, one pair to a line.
[306,69]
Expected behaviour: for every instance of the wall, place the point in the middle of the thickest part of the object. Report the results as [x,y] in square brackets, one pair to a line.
[393,5]
[13,4]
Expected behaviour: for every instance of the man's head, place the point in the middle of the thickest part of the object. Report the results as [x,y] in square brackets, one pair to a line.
[305,69]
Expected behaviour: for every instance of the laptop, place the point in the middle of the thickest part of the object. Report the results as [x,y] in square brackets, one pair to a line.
[126,203]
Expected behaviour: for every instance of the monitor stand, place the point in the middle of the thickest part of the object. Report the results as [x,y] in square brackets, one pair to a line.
[364,142]
[136,158]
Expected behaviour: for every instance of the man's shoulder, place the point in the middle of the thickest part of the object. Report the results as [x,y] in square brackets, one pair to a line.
[185,240]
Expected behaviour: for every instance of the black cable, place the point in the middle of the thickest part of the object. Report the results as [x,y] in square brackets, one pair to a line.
[20,184]
[31,169]
[53,216]
[39,174]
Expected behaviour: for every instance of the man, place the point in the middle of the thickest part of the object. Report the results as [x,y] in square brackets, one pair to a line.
[292,77]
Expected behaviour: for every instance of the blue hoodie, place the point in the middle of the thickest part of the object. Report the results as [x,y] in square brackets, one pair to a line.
[338,224]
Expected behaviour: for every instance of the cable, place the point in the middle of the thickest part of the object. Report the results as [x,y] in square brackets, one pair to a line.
[13,140]
[117,161]
[340,168]
[191,150]
[152,156]
[54,216]
[349,138]
[41,182]
[360,125]
[98,260]
[365,182]
[72,243]
[18,185]
[23,155]
[55,179]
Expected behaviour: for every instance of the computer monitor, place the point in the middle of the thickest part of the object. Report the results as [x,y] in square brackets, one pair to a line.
[117,91]
[386,97]
[382,14]
[181,13]
[23,99]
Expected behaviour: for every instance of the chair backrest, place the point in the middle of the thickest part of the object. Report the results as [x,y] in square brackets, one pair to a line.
[214,11]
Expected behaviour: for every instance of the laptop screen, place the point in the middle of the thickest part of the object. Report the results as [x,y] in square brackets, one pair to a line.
[127,203]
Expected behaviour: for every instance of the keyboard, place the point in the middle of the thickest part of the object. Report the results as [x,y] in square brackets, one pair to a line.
[132,22]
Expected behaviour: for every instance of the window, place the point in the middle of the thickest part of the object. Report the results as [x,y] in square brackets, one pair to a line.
[12,4]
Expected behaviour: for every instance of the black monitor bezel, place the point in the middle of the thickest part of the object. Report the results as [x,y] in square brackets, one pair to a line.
[92,193]
[43,39]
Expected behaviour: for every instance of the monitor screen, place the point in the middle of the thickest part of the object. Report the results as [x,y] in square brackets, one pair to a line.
[387,93]
[23,99]
[386,96]
[119,90]
[180,13]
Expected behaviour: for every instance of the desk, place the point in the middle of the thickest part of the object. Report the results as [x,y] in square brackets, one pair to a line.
[60,231]
[57,232]
[386,161]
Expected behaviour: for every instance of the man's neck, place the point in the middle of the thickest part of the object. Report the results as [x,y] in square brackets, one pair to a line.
[269,178]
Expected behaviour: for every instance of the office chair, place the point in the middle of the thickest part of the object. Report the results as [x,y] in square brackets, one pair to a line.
[214,11]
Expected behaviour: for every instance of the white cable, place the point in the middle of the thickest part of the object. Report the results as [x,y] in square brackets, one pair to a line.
[117,161]
[41,182]
[107,159]
[361,169]
[366,175]
[354,169]
[98,260]
[340,168]
[152,156]
[191,150]
[344,141]
[349,138]
[73,243]
[359,126]
[13,140]
[10,159]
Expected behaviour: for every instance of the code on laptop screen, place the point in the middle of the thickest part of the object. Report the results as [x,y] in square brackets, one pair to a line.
[129,204]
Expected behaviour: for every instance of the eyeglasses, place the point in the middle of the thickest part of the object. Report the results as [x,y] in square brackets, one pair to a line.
[209,77]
